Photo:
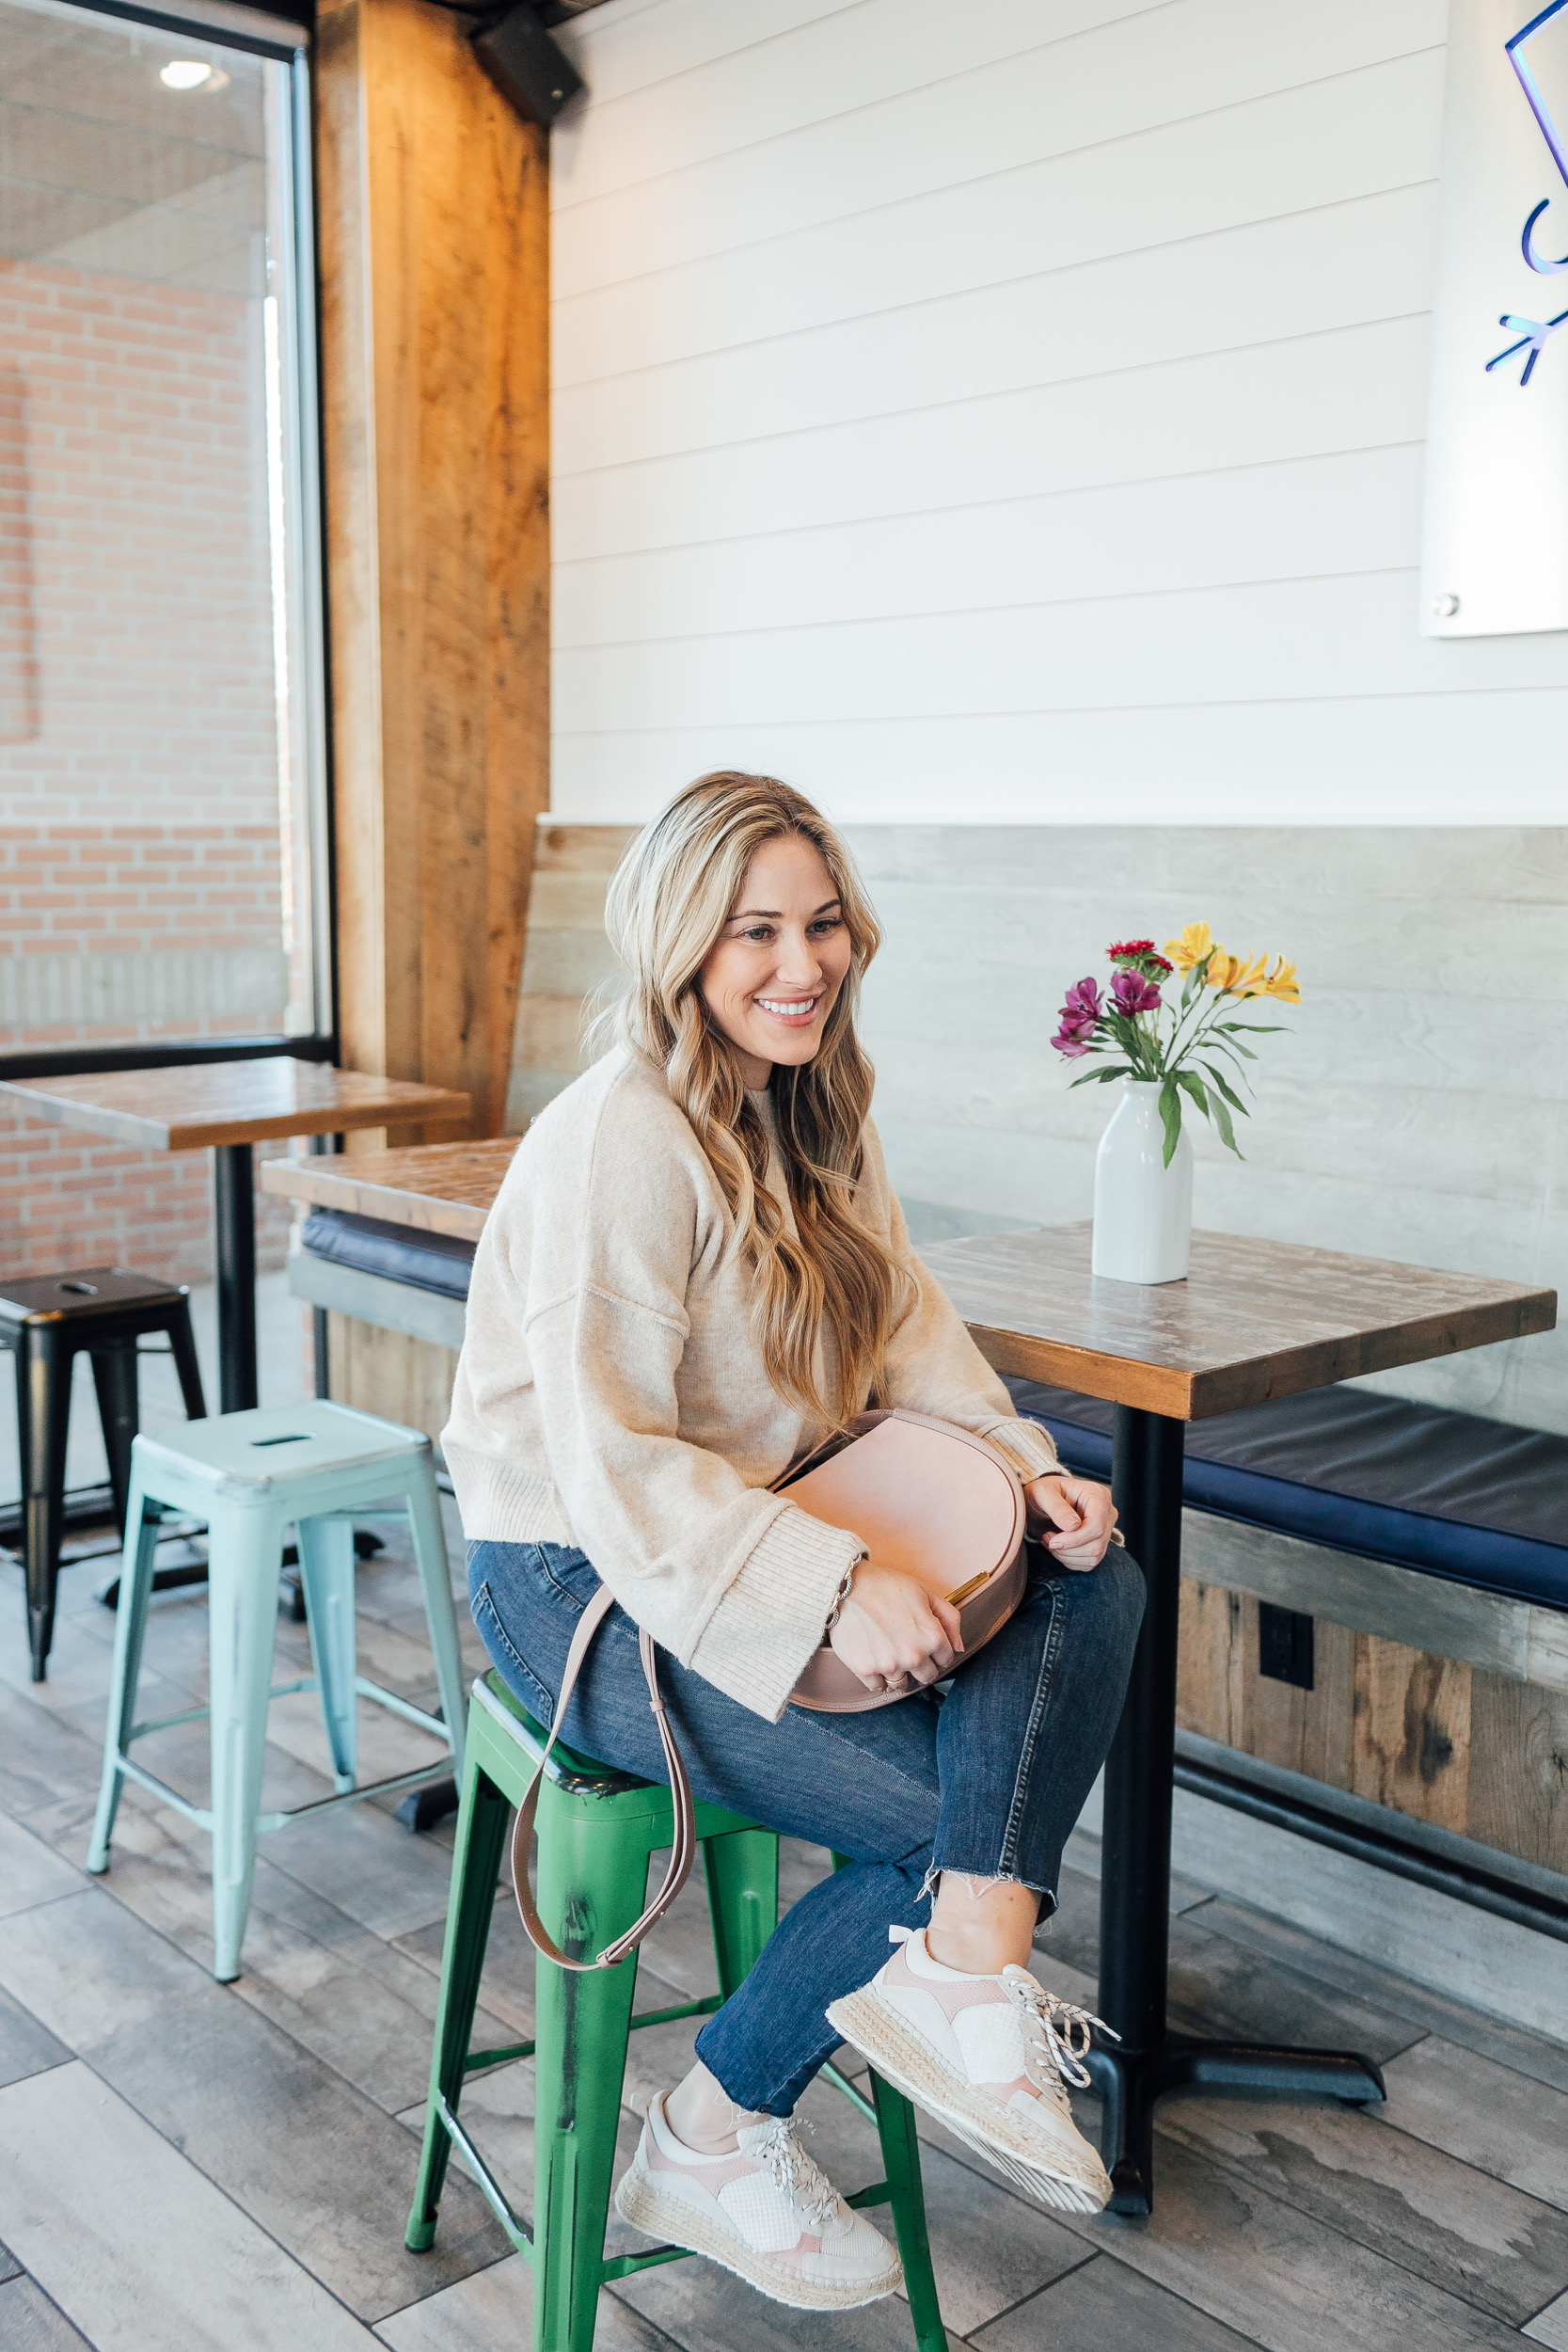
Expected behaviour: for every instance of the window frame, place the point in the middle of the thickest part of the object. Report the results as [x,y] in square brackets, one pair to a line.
[285,43]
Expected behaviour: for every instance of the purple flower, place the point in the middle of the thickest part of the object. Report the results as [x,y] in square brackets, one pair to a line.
[1080,1017]
[1132,995]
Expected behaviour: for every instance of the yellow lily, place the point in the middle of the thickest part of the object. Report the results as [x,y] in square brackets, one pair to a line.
[1281,983]
[1196,942]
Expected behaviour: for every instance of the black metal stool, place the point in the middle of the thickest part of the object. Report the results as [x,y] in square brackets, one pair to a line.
[47,1321]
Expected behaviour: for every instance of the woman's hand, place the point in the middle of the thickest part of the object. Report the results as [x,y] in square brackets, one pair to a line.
[1082,1513]
[892,1635]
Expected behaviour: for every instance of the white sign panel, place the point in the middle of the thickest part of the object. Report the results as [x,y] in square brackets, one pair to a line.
[1495,552]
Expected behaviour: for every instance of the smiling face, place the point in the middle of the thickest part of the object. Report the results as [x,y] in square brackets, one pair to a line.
[771,978]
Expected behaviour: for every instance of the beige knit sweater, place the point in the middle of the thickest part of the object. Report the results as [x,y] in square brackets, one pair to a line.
[610,1395]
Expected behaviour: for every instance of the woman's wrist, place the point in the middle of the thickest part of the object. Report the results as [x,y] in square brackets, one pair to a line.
[842,1595]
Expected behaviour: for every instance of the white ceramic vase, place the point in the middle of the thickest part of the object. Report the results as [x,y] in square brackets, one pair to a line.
[1143,1209]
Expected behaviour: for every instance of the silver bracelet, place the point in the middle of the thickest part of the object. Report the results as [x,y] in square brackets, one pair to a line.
[841,1595]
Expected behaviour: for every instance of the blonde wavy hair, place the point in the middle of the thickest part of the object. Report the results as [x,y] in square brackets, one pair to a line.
[825,1297]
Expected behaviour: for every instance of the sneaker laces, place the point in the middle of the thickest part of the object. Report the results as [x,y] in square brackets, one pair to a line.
[1059,2036]
[799,2176]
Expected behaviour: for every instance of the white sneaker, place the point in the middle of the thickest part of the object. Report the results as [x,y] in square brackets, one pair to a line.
[989,2057]
[763,2209]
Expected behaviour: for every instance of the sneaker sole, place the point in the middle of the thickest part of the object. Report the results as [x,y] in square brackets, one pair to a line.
[640,2202]
[911,2065]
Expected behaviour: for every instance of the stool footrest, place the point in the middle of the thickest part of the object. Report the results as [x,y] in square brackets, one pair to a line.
[705,2007]
[857,2099]
[489,2188]
[389,1699]
[201,1816]
[477,2060]
[627,2266]
[406,1707]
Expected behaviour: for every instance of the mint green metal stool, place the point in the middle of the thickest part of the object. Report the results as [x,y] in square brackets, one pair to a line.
[596,1831]
[248,1475]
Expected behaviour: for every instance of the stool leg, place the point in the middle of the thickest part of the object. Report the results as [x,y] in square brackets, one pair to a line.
[592,1878]
[326,1572]
[43,1412]
[902,2166]
[742,1869]
[243,1568]
[430,1552]
[476,1862]
[142,1517]
[182,1341]
[114,1376]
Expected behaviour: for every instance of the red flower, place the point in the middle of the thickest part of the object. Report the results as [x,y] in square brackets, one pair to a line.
[1138,955]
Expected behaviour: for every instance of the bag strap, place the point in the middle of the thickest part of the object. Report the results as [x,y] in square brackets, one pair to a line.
[682,1854]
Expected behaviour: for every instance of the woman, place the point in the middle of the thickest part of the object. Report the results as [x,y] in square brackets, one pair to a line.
[694,1270]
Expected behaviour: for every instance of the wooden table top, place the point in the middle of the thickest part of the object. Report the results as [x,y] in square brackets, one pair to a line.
[439,1187]
[191,1104]
[1253,1320]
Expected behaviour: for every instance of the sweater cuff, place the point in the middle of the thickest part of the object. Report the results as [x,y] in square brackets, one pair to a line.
[1024,1446]
[756,1644]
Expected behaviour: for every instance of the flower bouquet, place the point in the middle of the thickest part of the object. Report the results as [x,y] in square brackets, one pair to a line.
[1181,1046]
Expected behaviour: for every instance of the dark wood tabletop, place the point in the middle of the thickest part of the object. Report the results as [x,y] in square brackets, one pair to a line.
[439,1187]
[1253,1320]
[185,1108]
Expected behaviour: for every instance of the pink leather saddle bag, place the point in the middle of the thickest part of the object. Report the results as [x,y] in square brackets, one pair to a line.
[930,1498]
[924,1497]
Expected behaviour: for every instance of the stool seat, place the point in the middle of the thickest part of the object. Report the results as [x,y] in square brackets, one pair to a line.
[597,1829]
[47,1320]
[252,1456]
[251,1475]
[93,1290]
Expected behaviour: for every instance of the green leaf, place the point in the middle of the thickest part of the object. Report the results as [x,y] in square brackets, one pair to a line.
[1222,1120]
[1217,1078]
[1212,1106]
[1170,1112]
[1099,1077]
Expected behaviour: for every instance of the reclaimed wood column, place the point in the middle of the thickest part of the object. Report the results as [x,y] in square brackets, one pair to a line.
[433,230]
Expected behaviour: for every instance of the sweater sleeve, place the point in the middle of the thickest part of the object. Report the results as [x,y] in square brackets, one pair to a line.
[933,1366]
[735,1581]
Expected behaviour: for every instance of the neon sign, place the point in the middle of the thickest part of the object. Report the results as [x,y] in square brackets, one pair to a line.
[1533,333]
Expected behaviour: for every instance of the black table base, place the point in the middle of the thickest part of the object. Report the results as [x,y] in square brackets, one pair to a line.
[1130,2081]
[1134,1887]
[234,1214]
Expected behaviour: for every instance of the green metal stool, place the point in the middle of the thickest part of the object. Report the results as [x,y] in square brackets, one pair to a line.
[319,1467]
[596,1831]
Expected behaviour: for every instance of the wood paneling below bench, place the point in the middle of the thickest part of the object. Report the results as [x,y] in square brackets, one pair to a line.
[1445,1704]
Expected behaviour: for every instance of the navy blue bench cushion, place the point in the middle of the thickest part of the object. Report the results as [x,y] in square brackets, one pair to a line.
[1477,1501]
[431,1262]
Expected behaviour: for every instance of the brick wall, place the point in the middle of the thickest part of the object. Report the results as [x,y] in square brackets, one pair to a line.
[139,865]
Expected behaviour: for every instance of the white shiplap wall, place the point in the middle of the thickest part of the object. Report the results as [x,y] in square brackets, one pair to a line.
[1010,411]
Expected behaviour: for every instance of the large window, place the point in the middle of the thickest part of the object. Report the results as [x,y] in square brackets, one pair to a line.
[162,862]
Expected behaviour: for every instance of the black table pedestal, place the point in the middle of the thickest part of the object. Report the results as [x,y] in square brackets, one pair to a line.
[235,1218]
[1134,1884]
[234,1210]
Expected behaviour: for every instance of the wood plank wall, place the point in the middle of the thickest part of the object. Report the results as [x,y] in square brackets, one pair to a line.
[1015,411]
[568,963]
[435,348]
[1483,1754]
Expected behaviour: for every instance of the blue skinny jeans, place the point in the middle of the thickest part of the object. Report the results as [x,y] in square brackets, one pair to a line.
[987,1780]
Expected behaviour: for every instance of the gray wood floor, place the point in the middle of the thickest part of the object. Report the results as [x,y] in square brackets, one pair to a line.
[185,2165]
